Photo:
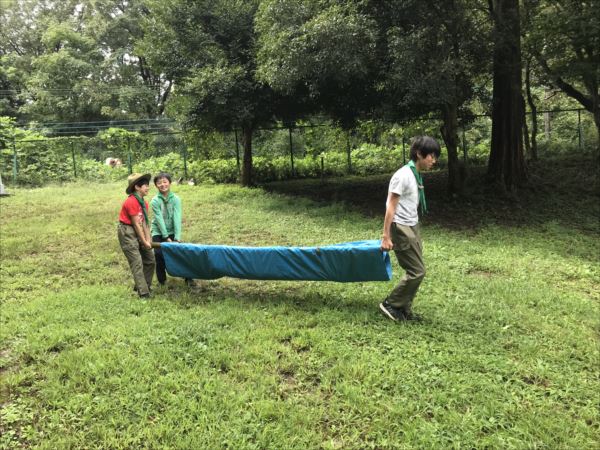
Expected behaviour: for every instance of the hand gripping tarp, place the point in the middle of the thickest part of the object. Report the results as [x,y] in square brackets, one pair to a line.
[351,261]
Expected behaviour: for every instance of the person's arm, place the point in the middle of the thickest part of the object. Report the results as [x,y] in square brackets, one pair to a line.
[142,231]
[148,232]
[177,218]
[156,205]
[390,210]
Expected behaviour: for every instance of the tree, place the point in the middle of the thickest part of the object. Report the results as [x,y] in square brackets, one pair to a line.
[9,102]
[564,38]
[506,166]
[75,60]
[531,102]
[321,51]
[432,65]
[396,60]
[209,48]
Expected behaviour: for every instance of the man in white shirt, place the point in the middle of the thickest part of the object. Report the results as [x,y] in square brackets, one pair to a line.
[401,227]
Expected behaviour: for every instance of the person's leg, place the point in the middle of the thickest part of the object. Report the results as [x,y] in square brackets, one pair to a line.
[131,248]
[409,252]
[161,274]
[148,263]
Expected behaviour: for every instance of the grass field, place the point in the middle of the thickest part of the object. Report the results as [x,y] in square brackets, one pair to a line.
[508,355]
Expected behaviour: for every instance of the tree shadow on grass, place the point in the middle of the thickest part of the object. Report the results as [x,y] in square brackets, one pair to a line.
[305,308]
[560,190]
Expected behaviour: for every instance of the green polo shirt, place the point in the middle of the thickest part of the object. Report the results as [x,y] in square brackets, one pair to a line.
[167,216]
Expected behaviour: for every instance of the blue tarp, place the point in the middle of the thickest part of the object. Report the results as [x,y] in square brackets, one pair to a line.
[351,261]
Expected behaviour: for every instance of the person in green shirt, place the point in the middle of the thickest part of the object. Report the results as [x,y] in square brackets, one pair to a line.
[166,223]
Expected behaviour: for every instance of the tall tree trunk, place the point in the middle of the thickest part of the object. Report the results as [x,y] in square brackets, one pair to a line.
[597,122]
[247,132]
[506,166]
[163,98]
[533,108]
[449,132]
[525,129]
[547,123]
[596,113]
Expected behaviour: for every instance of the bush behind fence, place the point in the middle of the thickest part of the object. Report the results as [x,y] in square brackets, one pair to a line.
[308,152]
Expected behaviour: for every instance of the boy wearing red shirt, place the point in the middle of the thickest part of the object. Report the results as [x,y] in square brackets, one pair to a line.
[134,233]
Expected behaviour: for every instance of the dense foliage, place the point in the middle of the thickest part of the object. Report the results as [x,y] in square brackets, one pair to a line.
[317,151]
[223,65]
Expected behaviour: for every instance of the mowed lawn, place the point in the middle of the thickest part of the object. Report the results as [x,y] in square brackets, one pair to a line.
[507,356]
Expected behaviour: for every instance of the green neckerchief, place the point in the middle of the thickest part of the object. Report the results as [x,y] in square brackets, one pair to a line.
[143,205]
[419,178]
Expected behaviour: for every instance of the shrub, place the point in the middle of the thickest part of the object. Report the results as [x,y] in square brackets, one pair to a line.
[214,171]
[92,170]
[171,162]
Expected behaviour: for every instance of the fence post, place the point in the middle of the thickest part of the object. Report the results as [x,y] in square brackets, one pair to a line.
[322,168]
[129,155]
[464,143]
[237,151]
[349,151]
[73,156]
[185,171]
[291,151]
[15,168]
[579,128]
[403,150]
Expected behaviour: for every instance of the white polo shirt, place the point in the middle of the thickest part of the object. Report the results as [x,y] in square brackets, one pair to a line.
[404,184]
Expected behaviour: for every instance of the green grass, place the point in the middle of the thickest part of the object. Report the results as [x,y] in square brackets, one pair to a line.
[507,356]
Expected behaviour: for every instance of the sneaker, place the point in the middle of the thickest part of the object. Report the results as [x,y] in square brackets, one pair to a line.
[136,289]
[390,312]
[147,295]
[413,317]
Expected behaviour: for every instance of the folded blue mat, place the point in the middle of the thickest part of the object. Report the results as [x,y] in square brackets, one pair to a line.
[351,261]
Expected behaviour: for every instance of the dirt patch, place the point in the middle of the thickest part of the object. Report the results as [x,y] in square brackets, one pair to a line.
[6,356]
[481,273]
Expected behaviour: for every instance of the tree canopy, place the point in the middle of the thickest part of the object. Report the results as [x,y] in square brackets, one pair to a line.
[233,64]
[75,61]
[564,39]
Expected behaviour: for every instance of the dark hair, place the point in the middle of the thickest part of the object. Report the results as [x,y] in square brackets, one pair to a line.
[424,145]
[142,181]
[162,175]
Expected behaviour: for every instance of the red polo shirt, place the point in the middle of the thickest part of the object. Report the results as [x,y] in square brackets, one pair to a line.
[131,207]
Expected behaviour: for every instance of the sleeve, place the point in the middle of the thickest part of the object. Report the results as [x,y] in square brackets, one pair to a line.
[132,208]
[177,215]
[396,185]
[159,220]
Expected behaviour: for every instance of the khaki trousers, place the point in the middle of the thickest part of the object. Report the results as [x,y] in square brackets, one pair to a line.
[140,259]
[408,248]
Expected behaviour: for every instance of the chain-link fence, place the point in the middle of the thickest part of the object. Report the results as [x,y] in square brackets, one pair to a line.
[278,153]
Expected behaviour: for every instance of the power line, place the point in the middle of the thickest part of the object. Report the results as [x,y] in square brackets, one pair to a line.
[149,131]
[58,92]
[134,86]
[71,89]
[101,122]
[96,128]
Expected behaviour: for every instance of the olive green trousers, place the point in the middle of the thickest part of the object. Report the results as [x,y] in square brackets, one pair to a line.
[140,259]
[408,248]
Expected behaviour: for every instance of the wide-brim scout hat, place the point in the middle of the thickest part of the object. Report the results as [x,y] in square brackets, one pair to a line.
[133,179]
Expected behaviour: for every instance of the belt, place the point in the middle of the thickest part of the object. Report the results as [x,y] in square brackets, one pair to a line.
[123,223]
